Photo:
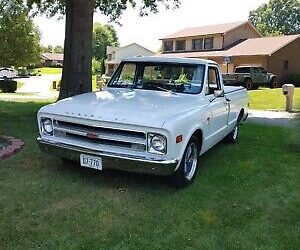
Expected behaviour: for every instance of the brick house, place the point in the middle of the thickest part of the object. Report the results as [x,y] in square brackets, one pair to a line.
[52,59]
[238,44]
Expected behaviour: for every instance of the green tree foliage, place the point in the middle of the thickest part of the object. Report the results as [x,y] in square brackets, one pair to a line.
[58,49]
[102,67]
[278,17]
[19,37]
[111,8]
[47,49]
[103,36]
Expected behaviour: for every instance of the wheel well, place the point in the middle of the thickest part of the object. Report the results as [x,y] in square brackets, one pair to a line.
[199,135]
[248,78]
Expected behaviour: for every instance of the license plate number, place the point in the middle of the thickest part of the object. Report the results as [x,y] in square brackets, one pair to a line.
[91,162]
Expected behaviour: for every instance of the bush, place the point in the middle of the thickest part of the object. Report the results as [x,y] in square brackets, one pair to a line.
[56,66]
[8,86]
[98,67]
[294,79]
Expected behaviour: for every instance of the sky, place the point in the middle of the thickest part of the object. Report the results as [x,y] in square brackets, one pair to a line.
[147,31]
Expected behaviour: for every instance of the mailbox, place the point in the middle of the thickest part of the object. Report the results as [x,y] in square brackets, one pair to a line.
[288,91]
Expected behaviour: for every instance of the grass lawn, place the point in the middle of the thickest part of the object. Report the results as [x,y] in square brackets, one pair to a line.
[246,196]
[271,99]
[47,71]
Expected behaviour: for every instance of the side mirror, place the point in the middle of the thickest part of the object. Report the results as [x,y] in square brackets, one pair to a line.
[219,93]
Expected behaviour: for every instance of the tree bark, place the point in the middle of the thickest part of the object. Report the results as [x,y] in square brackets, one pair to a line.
[77,68]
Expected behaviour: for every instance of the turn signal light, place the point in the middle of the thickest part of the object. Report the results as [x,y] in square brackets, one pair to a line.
[179,139]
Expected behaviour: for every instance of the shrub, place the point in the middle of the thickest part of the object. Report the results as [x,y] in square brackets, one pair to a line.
[56,66]
[8,86]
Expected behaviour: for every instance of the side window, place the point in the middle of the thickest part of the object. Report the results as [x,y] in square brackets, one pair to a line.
[213,81]
[255,70]
[127,74]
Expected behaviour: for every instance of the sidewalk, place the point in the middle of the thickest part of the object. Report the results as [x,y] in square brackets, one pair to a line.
[277,118]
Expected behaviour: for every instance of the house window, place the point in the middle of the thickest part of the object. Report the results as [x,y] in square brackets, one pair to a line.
[209,43]
[168,46]
[197,44]
[180,45]
[286,65]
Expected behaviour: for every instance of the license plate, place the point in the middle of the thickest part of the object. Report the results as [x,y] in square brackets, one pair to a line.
[91,162]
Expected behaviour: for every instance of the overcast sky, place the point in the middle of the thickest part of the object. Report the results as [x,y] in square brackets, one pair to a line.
[147,30]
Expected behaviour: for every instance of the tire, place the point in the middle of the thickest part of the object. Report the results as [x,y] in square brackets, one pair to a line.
[186,172]
[274,83]
[248,84]
[233,136]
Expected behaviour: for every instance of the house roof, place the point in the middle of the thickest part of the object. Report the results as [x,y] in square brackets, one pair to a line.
[262,46]
[206,30]
[249,47]
[110,49]
[53,56]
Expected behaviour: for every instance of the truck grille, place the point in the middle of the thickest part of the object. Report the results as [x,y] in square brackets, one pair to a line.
[132,140]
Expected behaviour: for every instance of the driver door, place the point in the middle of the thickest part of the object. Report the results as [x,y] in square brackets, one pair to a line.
[218,106]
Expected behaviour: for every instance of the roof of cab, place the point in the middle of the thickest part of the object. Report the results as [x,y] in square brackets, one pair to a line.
[161,59]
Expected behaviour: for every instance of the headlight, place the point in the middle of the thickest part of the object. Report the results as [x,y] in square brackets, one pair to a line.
[47,126]
[157,144]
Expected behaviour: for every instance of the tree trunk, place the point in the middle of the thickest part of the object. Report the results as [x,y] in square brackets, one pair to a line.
[77,69]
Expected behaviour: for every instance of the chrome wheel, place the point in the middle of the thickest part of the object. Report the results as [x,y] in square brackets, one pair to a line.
[190,161]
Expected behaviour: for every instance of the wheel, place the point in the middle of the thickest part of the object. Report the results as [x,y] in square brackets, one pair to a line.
[274,83]
[186,172]
[248,84]
[233,136]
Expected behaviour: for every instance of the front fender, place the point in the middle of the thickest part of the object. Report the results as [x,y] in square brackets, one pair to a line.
[186,125]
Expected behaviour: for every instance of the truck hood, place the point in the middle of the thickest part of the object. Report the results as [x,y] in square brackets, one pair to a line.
[136,107]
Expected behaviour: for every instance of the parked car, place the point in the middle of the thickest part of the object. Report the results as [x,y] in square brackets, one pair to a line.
[8,73]
[156,116]
[251,78]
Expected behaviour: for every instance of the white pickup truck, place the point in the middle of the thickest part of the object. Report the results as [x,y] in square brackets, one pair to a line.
[157,116]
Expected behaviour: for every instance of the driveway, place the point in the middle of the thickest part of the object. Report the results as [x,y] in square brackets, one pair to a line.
[277,118]
[40,85]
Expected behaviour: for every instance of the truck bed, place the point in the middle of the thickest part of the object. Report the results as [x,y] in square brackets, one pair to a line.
[231,89]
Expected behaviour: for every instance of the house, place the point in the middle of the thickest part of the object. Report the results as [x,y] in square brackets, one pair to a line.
[236,44]
[116,54]
[52,59]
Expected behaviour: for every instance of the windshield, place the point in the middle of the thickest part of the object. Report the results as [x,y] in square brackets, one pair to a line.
[180,78]
[243,70]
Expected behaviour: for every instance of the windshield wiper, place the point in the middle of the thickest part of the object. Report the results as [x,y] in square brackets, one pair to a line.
[161,88]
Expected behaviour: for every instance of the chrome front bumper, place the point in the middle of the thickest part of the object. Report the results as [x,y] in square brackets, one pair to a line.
[110,161]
